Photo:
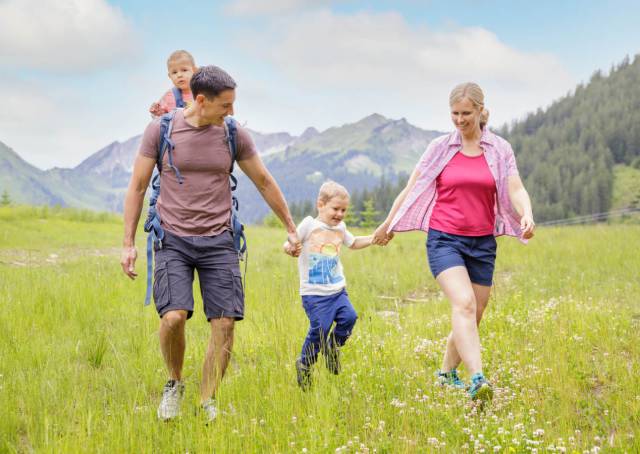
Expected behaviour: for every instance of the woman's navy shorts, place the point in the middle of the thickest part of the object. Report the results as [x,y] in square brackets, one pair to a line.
[476,253]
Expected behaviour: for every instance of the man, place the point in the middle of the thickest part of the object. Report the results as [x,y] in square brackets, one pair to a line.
[195,209]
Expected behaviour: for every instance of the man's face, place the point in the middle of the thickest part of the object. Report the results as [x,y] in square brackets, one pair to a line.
[180,72]
[214,110]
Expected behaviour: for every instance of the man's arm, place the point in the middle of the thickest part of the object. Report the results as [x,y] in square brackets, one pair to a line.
[254,168]
[142,171]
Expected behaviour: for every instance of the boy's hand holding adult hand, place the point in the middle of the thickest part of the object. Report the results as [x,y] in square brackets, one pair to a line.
[288,249]
[380,236]
[128,261]
[295,246]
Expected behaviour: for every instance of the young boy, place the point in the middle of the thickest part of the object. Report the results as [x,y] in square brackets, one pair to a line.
[322,282]
[181,66]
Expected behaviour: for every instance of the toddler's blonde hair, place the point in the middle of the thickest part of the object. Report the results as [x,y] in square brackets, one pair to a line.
[175,55]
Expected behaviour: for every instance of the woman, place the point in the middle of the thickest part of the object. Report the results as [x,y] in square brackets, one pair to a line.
[464,192]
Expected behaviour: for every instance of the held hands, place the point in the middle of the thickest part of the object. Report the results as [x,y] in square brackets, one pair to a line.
[528,226]
[381,237]
[288,249]
[292,246]
[128,261]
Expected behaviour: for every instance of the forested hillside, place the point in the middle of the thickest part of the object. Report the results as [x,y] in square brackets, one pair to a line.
[566,153]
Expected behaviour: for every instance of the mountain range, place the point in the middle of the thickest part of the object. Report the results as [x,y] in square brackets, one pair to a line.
[356,155]
[580,155]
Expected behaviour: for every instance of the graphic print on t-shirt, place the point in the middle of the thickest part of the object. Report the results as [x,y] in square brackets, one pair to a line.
[324,249]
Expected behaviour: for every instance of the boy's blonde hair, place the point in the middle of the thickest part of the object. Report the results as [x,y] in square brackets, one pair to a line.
[175,55]
[331,189]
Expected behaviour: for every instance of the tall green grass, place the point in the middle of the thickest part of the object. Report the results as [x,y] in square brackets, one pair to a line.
[81,371]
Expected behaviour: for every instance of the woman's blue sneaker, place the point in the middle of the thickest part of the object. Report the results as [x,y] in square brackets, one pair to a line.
[480,388]
[450,378]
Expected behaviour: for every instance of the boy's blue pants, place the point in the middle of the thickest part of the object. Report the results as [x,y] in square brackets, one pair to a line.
[322,312]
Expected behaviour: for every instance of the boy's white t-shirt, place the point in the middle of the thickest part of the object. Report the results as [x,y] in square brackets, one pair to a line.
[319,262]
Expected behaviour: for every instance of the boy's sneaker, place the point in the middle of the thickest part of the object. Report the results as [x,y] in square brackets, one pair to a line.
[480,388]
[210,409]
[450,378]
[332,358]
[172,395]
[303,374]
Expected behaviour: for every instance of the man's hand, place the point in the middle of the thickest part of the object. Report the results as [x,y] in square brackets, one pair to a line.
[128,261]
[295,246]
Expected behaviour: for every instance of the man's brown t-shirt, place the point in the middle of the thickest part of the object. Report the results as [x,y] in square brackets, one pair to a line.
[201,205]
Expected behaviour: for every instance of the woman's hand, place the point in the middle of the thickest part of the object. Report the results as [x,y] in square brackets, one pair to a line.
[528,226]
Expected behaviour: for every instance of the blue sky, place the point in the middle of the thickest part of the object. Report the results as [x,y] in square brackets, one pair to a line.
[76,75]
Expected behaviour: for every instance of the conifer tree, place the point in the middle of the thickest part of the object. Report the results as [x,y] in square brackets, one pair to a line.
[5,200]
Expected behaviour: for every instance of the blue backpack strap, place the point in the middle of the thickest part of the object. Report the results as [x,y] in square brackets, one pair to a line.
[166,145]
[177,95]
[153,223]
[239,238]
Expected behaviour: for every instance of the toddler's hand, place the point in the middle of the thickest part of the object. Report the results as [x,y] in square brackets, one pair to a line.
[155,109]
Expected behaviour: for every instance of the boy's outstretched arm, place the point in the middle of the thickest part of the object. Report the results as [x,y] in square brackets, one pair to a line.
[362,242]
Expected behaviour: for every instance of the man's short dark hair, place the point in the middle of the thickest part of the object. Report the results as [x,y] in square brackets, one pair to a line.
[211,81]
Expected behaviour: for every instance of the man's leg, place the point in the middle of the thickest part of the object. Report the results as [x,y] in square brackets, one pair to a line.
[217,356]
[172,341]
[172,344]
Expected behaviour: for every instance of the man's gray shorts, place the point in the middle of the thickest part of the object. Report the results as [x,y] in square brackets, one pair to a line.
[216,260]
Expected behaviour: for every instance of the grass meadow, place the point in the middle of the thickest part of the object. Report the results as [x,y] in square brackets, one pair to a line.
[81,370]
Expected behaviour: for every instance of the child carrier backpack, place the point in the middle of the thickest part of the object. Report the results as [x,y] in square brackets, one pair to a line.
[153,223]
[177,95]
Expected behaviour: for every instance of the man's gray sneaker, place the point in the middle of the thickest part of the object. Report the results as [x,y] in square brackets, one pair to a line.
[172,395]
[210,409]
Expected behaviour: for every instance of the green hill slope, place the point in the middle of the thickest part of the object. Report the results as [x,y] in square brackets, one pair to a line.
[24,182]
[626,187]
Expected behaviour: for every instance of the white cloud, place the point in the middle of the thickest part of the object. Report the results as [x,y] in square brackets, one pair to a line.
[51,124]
[64,35]
[262,7]
[369,62]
